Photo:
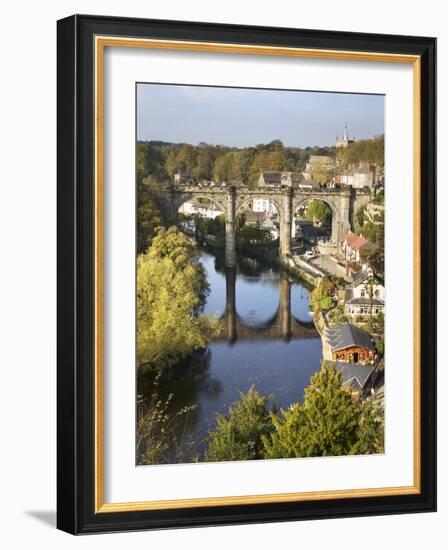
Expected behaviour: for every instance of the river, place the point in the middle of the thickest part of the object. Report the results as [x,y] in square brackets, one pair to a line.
[268,340]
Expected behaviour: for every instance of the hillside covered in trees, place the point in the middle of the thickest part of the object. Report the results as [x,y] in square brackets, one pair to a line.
[219,163]
[163,160]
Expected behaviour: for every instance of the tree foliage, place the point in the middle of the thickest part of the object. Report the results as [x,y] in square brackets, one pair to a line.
[238,436]
[171,291]
[363,151]
[373,232]
[322,295]
[149,216]
[328,423]
[220,163]
[320,211]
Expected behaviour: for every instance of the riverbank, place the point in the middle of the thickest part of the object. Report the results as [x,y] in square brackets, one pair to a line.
[322,326]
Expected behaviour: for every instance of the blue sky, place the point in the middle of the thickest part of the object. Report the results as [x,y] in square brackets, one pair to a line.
[245,117]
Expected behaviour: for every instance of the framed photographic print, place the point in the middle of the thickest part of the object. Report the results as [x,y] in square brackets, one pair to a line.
[246,274]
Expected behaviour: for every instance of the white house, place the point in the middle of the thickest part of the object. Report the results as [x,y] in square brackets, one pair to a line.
[264,205]
[204,210]
[358,177]
[365,296]
[268,225]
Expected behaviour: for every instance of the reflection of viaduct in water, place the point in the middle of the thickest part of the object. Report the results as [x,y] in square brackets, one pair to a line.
[282,326]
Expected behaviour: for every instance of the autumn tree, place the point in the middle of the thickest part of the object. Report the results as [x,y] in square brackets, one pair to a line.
[171,291]
[364,151]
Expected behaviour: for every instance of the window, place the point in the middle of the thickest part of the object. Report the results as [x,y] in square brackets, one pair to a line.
[363,293]
[377,293]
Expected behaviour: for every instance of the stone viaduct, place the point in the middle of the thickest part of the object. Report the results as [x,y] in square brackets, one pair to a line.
[231,200]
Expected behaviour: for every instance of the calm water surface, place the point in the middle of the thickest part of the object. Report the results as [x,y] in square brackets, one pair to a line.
[268,340]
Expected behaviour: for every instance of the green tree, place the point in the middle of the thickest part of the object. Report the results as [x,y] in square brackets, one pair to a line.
[238,436]
[376,261]
[187,158]
[171,291]
[149,219]
[320,211]
[329,423]
[150,161]
[360,217]
[322,295]
[373,232]
[204,163]
[222,168]
[253,235]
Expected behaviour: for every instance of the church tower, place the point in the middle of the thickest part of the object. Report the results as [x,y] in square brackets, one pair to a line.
[345,140]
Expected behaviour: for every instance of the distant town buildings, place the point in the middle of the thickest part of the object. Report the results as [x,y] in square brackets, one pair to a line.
[276,179]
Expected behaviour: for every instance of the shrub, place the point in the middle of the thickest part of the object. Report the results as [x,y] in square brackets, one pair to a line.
[238,436]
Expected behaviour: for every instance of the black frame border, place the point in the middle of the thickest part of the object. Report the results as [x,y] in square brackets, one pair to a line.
[76,262]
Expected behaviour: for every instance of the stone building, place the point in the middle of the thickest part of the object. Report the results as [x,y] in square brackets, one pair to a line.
[277,179]
[358,177]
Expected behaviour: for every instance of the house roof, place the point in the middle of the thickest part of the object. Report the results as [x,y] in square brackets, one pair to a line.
[268,223]
[354,375]
[296,177]
[363,276]
[357,242]
[365,302]
[348,335]
[255,217]
[275,177]
[272,177]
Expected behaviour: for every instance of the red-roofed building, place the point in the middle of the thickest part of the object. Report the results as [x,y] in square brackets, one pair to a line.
[356,247]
